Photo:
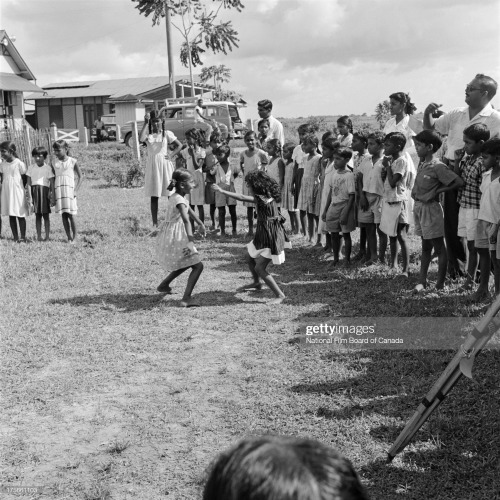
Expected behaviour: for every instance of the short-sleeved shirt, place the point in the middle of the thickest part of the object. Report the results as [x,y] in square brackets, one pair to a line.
[453,124]
[298,156]
[341,185]
[372,180]
[489,209]
[431,176]
[358,161]
[275,129]
[40,176]
[398,192]
[471,169]
[197,117]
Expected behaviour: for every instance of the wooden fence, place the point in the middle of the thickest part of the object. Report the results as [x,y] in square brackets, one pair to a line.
[26,139]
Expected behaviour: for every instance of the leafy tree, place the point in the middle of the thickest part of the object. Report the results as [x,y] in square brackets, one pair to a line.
[219,73]
[382,113]
[317,123]
[196,20]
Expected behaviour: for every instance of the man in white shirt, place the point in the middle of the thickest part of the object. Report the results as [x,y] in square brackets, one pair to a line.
[264,108]
[478,94]
[201,121]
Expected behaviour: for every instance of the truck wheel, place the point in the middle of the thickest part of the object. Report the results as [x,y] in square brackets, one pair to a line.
[128,140]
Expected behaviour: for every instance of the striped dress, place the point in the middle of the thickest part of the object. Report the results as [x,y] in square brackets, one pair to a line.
[65,186]
[270,238]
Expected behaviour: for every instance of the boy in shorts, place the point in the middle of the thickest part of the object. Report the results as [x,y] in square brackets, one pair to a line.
[487,236]
[471,169]
[338,213]
[433,178]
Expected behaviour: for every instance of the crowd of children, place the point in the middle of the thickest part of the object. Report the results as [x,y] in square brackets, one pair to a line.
[352,179]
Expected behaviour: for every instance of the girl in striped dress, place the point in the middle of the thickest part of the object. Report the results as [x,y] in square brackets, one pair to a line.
[270,240]
[65,169]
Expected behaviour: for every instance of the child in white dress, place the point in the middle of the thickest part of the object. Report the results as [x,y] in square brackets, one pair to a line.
[65,169]
[41,185]
[175,244]
[14,201]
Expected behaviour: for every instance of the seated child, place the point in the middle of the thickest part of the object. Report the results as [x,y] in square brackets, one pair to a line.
[487,237]
[394,220]
[338,213]
[433,178]
[471,169]
[225,173]
[282,468]
[371,190]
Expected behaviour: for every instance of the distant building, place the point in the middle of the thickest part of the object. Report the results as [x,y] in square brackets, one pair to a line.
[15,79]
[76,105]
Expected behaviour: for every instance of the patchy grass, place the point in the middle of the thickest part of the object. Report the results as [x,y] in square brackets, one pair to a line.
[111,392]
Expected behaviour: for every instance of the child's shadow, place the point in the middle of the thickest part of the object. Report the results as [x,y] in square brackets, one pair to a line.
[127,303]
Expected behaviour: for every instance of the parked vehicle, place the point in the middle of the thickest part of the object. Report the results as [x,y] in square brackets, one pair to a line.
[109,132]
[180,117]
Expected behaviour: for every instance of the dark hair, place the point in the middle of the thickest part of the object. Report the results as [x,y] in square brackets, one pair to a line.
[264,121]
[40,150]
[276,144]
[404,99]
[216,136]
[196,134]
[344,152]
[179,176]
[305,128]
[396,138]
[266,104]
[331,143]
[378,136]
[326,135]
[264,185]
[345,120]
[362,135]
[488,84]
[10,147]
[289,145]
[223,149]
[477,132]
[310,139]
[156,116]
[248,134]
[429,137]
[491,147]
[60,144]
[282,468]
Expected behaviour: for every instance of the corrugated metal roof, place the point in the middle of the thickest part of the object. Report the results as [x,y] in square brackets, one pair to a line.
[108,88]
[9,81]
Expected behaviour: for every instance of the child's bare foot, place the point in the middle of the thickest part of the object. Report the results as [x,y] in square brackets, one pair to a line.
[249,234]
[251,286]
[404,274]
[277,300]
[39,238]
[164,288]
[419,288]
[480,296]
[359,256]
[189,302]
[235,233]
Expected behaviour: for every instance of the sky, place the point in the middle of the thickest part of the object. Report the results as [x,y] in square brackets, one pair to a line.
[309,57]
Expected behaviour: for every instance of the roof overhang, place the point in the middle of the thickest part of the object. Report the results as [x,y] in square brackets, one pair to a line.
[13,82]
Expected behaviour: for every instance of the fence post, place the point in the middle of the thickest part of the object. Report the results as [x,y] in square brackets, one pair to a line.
[135,142]
[85,137]
[118,133]
[249,124]
[28,141]
[53,131]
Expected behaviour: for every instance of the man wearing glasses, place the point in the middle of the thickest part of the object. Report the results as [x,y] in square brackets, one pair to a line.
[478,95]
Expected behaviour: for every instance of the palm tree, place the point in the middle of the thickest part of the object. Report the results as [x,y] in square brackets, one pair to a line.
[219,73]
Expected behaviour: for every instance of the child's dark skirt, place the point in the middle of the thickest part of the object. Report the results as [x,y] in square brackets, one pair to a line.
[41,199]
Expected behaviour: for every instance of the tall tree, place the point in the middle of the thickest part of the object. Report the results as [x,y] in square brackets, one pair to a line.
[198,24]
[382,112]
[219,73]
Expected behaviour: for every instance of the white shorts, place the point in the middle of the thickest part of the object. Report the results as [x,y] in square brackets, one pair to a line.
[467,223]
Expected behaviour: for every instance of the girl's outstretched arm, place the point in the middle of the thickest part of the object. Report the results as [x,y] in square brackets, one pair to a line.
[145,129]
[235,196]
[79,175]
[193,216]
[175,152]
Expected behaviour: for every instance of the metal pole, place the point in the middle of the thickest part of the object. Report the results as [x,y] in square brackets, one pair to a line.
[168,28]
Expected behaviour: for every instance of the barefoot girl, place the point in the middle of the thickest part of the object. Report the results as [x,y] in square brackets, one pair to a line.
[65,169]
[270,239]
[210,162]
[14,203]
[250,160]
[41,185]
[287,197]
[276,166]
[159,166]
[175,245]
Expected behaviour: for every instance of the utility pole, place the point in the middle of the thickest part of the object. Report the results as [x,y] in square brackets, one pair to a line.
[168,28]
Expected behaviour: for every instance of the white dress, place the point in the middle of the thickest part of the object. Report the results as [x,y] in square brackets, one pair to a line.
[65,186]
[197,195]
[159,170]
[13,201]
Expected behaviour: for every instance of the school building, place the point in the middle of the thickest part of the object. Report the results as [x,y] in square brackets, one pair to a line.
[15,79]
[76,105]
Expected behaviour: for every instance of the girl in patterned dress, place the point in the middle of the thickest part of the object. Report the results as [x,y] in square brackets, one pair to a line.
[175,243]
[270,240]
[310,185]
[251,159]
[287,197]
[345,129]
[195,155]
[41,184]
[13,198]
[276,166]
[159,164]
[65,169]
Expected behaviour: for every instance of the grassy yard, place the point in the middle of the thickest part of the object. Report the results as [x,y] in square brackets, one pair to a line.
[110,392]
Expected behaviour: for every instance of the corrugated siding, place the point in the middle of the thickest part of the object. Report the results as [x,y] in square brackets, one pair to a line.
[125,112]
[80,123]
[42,116]
[69,117]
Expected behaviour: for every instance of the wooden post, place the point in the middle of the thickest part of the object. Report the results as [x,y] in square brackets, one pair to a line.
[135,142]
[85,136]
[28,141]
[53,131]
[118,134]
